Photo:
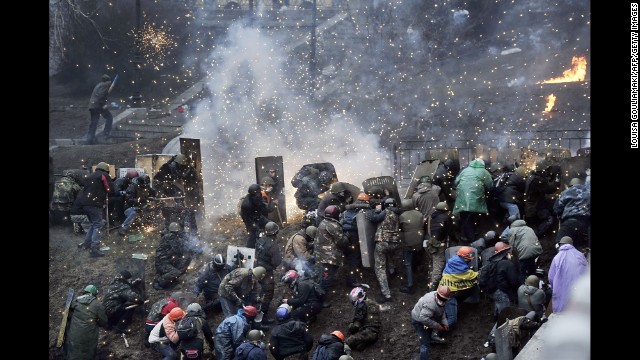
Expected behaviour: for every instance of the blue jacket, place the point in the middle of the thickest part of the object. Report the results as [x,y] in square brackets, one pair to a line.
[230,334]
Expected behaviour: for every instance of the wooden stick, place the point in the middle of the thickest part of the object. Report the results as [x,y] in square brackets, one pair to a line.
[134,305]
[65,316]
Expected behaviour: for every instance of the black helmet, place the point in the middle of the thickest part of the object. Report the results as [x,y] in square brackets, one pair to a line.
[144,180]
[218,260]
[390,202]
[271,228]
[332,211]
[254,189]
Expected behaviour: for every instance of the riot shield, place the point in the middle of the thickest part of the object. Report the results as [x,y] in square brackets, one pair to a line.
[241,256]
[263,167]
[366,236]
[428,168]
[193,185]
[387,183]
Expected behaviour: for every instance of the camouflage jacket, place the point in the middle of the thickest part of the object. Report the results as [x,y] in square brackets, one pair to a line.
[298,247]
[574,201]
[367,314]
[119,294]
[65,191]
[238,284]
[329,242]
[389,225]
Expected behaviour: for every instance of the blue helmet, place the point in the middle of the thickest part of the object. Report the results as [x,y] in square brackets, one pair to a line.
[283,311]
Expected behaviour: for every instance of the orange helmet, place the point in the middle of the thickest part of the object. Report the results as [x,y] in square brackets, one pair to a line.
[338,334]
[501,246]
[465,252]
[444,292]
[176,314]
[363,196]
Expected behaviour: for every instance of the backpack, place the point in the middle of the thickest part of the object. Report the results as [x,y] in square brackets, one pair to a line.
[155,314]
[320,353]
[187,328]
[487,277]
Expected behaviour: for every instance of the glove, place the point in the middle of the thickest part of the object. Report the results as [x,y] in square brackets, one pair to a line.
[588,172]
[425,243]
[440,327]
[353,328]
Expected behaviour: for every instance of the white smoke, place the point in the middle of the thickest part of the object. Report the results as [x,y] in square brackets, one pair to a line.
[255,111]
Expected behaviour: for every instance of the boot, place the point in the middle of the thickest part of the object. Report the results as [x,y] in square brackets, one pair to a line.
[436,339]
[406,289]
[96,253]
[265,319]
[383,299]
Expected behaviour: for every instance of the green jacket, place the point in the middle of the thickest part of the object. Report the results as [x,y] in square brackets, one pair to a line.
[86,313]
[472,184]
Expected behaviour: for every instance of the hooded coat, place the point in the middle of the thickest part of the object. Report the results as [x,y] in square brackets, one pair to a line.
[426,198]
[472,184]
[86,313]
[524,240]
[290,337]
[230,334]
[566,267]
[333,348]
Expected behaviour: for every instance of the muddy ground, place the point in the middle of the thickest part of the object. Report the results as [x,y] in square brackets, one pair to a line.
[70,267]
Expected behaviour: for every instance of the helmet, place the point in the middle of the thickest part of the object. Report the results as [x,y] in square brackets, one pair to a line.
[180,159]
[267,180]
[103,166]
[376,192]
[290,277]
[490,235]
[259,272]
[174,227]
[390,202]
[444,292]
[194,307]
[491,356]
[332,211]
[218,259]
[176,314]
[425,180]
[255,335]
[106,77]
[363,196]
[532,280]
[337,187]
[448,163]
[501,246]
[407,204]
[250,311]
[91,289]
[357,295]
[465,252]
[442,206]
[144,180]
[283,311]
[575,181]
[131,173]
[566,240]
[311,231]
[325,177]
[345,357]
[254,189]
[338,334]
[271,228]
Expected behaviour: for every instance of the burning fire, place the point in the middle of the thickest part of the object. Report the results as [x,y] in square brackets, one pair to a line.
[551,100]
[577,72]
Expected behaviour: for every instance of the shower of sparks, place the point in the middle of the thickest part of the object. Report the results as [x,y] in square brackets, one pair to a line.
[155,44]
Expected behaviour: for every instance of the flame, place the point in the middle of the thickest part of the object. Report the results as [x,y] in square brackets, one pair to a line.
[551,100]
[577,72]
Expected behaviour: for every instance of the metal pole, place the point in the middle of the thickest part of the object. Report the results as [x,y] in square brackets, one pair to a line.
[312,55]
[136,98]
